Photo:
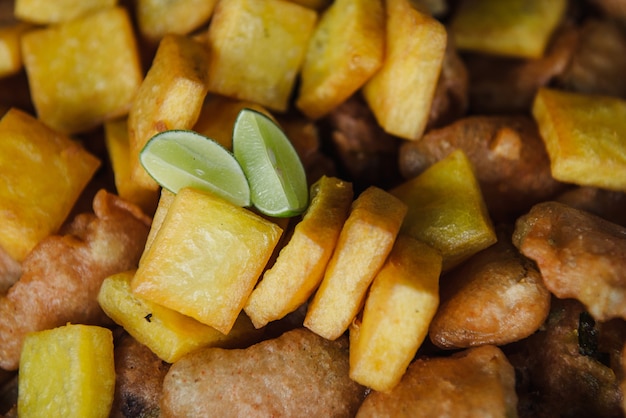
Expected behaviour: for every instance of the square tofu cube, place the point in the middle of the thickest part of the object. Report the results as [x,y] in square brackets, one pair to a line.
[42,173]
[400,94]
[67,372]
[206,258]
[46,11]
[585,136]
[345,50]
[10,52]
[84,71]
[157,18]
[170,97]
[257,48]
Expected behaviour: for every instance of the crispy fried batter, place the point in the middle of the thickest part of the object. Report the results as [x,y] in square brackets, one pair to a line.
[477,382]
[607,204]
[62,275]
[139,381]
[10,271]
[497,297]
[298,374]
[508,155]
[580,256]
[563,370]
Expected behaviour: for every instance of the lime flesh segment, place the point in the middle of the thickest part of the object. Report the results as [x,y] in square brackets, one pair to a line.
[278,185]
[180,158]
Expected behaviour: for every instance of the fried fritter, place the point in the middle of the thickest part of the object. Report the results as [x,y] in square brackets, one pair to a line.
[10,271]
[580,256]
[298,374]
[478,382]
[139,381]
[508,155]
[61,277]
[571,367]
[607,204]
[496,297]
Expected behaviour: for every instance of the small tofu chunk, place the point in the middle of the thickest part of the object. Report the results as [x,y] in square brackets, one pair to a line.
[364,243]
[84,71]
[67,372]
[206,258]
[585,136]
[44,11]
[157,18]
[42,173]
[257,48]
[10,48]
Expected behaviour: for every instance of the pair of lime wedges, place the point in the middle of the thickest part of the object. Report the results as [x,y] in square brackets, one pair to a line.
[263,170]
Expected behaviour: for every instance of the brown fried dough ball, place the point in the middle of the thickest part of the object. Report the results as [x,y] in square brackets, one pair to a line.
[298,374]
[61,277]
[496,297]
[478,382]
[580,256]
[508,155]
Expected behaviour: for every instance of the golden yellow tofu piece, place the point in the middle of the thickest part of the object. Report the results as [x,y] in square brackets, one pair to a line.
[514,28]
[10,48]
[118,148]
[400,305]
[84,71]
[346,49]
[57,11]
[447,209]
[363,245]
[169,334]
[257,48]
[585,136]
[67,372]
[218,115]
[400,94]
[157,18]
[301,263]
[42,173]
[170,97]
[206,258]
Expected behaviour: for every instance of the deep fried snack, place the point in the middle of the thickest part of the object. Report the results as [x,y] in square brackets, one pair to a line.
[62,275]
[607,204]
[504,85]
[580,256]
[297,374]
[477,382]
[571,367]
[10,271]
[508,155]
[497,297]
[139,382]
[599,61]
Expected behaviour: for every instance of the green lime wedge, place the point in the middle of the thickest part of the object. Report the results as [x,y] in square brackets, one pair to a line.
[181,158]
[278,185]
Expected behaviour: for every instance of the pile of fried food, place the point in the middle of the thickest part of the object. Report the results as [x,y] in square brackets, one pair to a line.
[464,248]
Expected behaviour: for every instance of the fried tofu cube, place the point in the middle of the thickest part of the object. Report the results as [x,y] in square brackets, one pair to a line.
[447,210]
[400,94]
[42,173]
[362,247]
[45,11]
[10,52]
[301,263]
[398,310]
[157,18]
[118,148]
[257,48]
[514,28]
[346,49]
[84,71]
[169,334]
[67,372]
[170,97]
[206,258]
[584,136]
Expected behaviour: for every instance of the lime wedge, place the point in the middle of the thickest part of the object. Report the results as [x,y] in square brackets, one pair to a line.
[181,158]
[278,185]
